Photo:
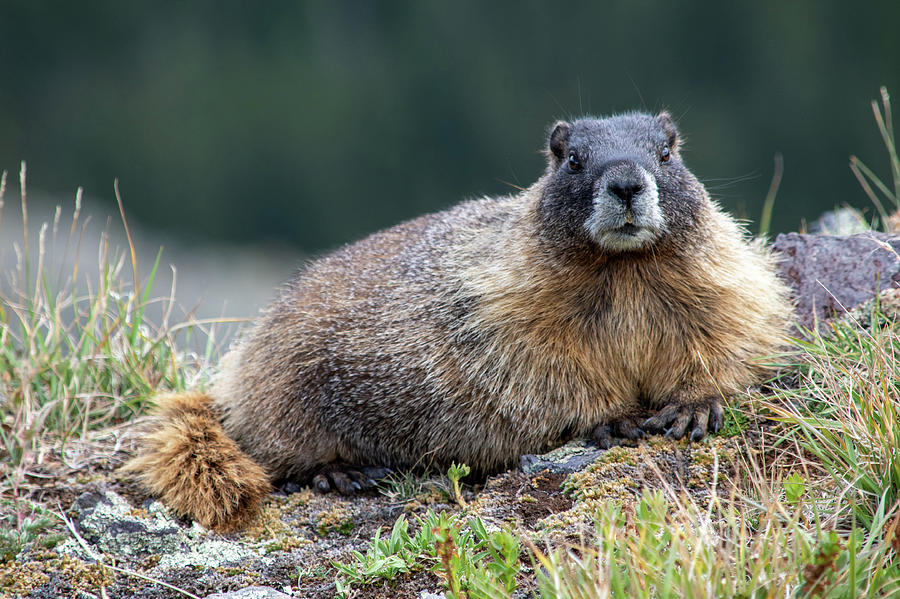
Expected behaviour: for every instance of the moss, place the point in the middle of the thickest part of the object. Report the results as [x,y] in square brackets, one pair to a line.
[617,455]
[270,525]
[139,512]
[245,575]
[338,518]
[18,579]
[736,422]
[621,475]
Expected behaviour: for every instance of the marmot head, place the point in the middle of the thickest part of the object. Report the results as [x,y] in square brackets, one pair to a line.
[617,183]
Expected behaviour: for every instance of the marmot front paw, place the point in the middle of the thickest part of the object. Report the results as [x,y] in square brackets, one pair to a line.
[347,479]
[676,417]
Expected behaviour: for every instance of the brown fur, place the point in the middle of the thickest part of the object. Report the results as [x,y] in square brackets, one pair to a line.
[477,334]
[195,469]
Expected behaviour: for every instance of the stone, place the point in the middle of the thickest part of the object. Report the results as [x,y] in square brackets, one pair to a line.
[842,221]
[828,275]
[110,524]
[571,457]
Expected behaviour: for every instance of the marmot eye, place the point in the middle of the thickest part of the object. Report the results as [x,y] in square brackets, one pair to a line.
[574,163]
[664,153]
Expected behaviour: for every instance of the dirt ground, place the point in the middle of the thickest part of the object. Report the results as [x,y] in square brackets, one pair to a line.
[298,536]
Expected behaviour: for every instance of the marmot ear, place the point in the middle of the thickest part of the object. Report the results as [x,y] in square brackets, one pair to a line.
[559,139]
[668,125]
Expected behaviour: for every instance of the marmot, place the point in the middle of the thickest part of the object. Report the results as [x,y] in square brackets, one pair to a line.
[502,326]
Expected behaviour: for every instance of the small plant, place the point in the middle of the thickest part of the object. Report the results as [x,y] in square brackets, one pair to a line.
[455,473]
[408,486]
[445,538]
[304,573]
[501,563]
[794,488]
[819,574]
[736,422]
[385,558]
[23,525]
[473,562]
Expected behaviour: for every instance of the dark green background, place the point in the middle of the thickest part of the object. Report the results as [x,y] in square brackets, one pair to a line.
[315,123]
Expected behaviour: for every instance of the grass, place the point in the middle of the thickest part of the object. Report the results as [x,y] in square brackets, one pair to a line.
[411,486]
[846,412]
[672,549]
[879,192]
[79,354]
[812,512]
[76,358]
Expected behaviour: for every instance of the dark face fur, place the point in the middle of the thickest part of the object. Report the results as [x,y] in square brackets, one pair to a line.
[618,183]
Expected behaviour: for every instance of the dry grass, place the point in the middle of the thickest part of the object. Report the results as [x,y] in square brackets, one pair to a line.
[79,354]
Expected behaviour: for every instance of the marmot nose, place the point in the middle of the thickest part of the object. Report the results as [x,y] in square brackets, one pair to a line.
[625,189]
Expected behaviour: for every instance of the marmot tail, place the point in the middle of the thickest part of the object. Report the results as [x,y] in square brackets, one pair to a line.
[189,462]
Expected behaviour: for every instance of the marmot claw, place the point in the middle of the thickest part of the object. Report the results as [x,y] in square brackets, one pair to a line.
[348,480]
[618,432]
[675,418]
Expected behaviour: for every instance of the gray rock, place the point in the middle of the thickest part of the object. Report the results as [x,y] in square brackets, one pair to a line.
[250,593]
[110,525]
[430,595]
[571,457]
[842,221]
[210,553]
[829,275]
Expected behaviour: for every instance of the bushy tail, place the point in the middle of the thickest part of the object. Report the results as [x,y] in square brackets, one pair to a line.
[189,462]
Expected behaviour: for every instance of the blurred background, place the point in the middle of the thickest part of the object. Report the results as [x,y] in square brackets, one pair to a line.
[246,136]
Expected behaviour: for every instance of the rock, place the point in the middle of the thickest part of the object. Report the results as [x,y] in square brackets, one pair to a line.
[209,553]
[829,275]
[250,593]
[888,307]
[569,458]
[843,221]
[110,525]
